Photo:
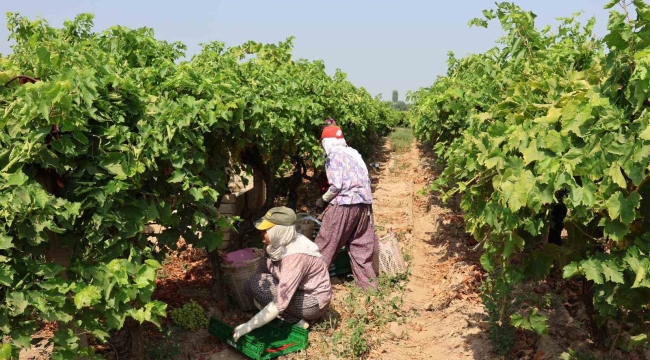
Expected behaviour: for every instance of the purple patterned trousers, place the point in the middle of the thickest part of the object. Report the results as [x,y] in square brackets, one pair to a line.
[351,226]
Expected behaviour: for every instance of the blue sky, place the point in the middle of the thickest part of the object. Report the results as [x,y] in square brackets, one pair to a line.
[381,45]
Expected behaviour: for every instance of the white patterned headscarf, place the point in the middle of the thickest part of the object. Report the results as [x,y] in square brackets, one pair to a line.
[285,240]
[333,144]
[330,143]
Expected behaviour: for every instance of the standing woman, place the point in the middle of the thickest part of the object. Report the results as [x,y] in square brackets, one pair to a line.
[293,283]
[348,220]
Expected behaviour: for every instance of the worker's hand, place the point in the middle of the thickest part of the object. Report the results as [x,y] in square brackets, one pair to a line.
[320,204]
[260,319]
[240,331]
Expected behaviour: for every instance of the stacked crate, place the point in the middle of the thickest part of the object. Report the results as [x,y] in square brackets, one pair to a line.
[231,205]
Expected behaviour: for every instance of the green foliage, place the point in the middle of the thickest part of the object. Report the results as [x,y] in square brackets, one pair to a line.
[547,119]
[117,133]
[498,305]
[190,317]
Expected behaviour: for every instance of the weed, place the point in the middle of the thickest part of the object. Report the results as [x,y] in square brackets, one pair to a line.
[532,299]
[576,355]
[351,344]
[358,344]
[328,324]
[167,348]
[398,168]
[497,305]
[401,139]
[407,257]
[368,311]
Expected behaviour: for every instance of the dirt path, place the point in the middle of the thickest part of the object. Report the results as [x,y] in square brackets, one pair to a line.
[444,306]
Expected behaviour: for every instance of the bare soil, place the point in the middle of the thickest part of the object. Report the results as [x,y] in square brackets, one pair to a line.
[445,311]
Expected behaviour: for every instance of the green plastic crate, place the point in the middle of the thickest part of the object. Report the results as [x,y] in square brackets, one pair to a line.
[271,340]
[341,264]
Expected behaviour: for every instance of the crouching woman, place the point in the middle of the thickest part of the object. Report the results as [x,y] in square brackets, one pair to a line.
[294,282]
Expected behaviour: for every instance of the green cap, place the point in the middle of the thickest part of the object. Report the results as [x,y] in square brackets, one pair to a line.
[276,216]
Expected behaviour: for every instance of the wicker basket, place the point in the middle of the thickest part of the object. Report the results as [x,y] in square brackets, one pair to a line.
[388,258]
[235,277]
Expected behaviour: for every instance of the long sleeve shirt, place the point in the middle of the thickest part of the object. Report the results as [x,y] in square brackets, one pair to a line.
[347,179]
[300,272]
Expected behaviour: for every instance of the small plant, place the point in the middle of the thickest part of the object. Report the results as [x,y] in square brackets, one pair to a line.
[358,344]
[166,349]
[162,274]
[351,343]
[190,317]
[407,257]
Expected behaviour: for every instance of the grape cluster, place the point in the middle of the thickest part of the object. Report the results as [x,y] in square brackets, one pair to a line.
[190,316]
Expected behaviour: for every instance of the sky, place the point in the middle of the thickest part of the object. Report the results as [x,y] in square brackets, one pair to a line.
[381,45]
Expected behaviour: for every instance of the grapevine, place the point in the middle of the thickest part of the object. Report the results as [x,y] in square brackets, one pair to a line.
[549,131]
[117,131]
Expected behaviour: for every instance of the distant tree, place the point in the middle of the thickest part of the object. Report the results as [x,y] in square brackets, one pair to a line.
[400,105]
[395,96]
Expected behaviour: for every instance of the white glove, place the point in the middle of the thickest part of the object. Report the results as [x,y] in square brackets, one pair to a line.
[329,195]
[240,331]
[260,319]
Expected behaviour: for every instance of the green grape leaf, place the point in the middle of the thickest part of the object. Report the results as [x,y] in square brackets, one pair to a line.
[570,270]
[532,153]
[554,142]
[6,242]
[617,175]
[538,322]
[87,297]
[613,272]
[5,352]
[592,270]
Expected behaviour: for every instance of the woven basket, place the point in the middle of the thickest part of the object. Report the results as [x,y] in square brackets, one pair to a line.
[235,278]
[388,258]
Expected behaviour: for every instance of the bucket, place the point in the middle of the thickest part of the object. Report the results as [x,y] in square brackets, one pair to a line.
[237,268]
[388,258]
[240,258]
